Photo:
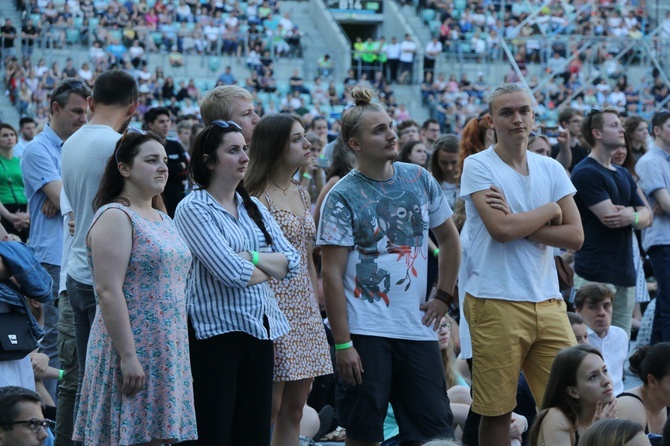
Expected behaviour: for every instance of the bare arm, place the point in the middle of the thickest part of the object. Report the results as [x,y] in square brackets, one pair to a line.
[507,227]
[629,408]
[569,234]
[334,261]
[449,260]
[614,216]
[53,192]
[311,268]
[111,244]
[556,429]
[663,198]
[564,151]
[322,195]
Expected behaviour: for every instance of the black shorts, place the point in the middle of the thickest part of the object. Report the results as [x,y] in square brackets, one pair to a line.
[407,374]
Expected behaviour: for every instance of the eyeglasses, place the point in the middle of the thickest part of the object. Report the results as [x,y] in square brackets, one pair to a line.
[35,424]
[67,86]
[225,125]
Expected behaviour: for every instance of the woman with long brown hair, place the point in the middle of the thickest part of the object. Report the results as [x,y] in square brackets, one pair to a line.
[137,362]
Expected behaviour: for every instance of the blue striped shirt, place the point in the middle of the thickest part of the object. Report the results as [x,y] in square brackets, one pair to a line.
[218,296]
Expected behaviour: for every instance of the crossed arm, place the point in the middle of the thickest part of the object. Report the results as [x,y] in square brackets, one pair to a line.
[555,224]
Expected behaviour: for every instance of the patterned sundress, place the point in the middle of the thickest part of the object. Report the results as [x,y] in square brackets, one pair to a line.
[303,352]
[154,289]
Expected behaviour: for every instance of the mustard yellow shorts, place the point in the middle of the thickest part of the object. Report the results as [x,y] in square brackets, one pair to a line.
[508,337]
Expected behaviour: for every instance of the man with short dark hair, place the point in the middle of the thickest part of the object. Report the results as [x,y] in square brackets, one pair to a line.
[85,156]
[41,168]
[8,33]
[408,130]
[654,171]
[569,151]
[611,208]
[21,420]
[430,132]
[158,120]
[26,134]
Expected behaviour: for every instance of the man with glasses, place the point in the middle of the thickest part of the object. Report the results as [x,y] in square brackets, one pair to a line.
[569,151]
[654,171]
[85,155]
[611,208]
[408,130]
[41,168]
[430,132]
[21,420]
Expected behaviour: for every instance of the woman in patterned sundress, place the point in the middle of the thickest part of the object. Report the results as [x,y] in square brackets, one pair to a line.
[137,387]
[278,149]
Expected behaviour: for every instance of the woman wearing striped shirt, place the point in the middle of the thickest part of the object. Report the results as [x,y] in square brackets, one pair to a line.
[233,315]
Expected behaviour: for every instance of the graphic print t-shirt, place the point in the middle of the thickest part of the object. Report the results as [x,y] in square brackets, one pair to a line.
[385,225]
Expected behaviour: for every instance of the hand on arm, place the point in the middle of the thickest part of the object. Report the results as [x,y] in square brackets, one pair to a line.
[111,245]
[52,190]
[615,216]
[568,233]
[347,361]
[507,227]
[662,197]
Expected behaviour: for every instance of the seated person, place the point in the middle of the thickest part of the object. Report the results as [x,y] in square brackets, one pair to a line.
[593,303]
[614,432]
[579,328]
[579,392]
[21,418]
[647,404]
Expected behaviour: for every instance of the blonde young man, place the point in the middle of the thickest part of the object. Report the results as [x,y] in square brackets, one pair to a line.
[512,274]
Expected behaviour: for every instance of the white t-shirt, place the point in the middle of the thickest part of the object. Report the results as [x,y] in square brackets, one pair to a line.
[407,49]
[385,226]
[84,158]
[519,270]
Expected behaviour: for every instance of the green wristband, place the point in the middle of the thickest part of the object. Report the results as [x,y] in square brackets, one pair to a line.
[637,218]
[436,252]
[307,176]
[60,375]
[254,257]
[344,346]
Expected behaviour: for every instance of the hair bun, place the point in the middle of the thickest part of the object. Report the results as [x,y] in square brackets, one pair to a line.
[636,359]
[362,96]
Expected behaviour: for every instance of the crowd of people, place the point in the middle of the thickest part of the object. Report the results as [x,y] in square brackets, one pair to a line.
[185,282]
[124,36]
[210,267]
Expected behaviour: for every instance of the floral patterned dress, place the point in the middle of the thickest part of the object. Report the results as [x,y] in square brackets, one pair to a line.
[154,289]
[303,352]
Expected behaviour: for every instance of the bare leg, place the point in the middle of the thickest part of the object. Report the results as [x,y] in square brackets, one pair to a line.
[492,429]
[286,430]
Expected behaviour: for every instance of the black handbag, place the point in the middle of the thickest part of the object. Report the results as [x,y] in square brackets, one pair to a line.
[16,337]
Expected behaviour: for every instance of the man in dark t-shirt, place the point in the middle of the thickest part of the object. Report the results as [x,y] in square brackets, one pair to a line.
[8,36]
[611,208]
[29,33]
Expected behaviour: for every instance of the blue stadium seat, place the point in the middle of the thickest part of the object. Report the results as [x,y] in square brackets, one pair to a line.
[428,15]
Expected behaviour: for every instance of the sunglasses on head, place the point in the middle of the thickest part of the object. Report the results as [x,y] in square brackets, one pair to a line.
[65,87]
[227,126]
[589,118]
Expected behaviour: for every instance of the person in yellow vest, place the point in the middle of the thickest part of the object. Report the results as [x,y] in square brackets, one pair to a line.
[369,57]
[358,54]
